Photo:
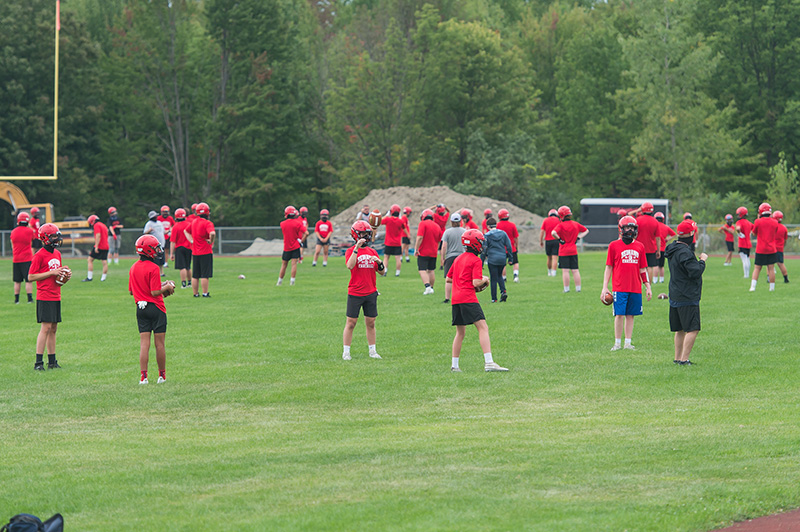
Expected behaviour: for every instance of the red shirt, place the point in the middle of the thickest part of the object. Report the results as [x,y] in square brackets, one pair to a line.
[511,230]
[99,228]
[44,261]
[305,223]
[484,228]
[469,225]
[35,225]
[178,236]
[323,228]
[548,224]
[405,221]
[568,231]
[441,220]
[626,260]
[362,276]
[168,222]
[293,232]
[765,229]
[394,230]
[664,232]
[431,235]
[144,277]
[464,270]
[648,231]
[201,230]
[728,234]
[744,227]
[21,238]
[780,237]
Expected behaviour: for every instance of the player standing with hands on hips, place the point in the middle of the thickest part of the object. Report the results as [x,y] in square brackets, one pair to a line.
[362,292]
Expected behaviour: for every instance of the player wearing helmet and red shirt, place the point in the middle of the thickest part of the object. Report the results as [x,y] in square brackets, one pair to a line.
[510,228]
[426,248]
[395,231]
[168,222]
[293,234]
[22,254]
[486,215]
[115,228]
[304,243]
[406,239]
[441,214]
[466,220]
[192,214]
[743,230]
[35,224]
[665,234]
[729,231]
[100,248]
[649,235]
[549,242]
[466,276]
[780,241]
[626,268]
[144,284]
[568,232]
[180,249]
[362,291]
[201,236]
[765,229]
[45,267]
[324,230]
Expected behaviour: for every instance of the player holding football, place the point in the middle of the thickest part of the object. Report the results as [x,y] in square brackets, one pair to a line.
[395,231]
[293,234]
[323,230]
[780,241]
[46,266]
[202,237]
[568,232]
[100,248]
[466,276]
[406,239]
[626,268]
[426,248]
[665,234]
[22,254]
[549,242]
[743,230]
[144,284]
[766,229]
[451,249]
[729,231]
[115,228]
[180,249]
[362,292]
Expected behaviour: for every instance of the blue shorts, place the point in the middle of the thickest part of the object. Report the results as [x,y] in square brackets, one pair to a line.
[627,304]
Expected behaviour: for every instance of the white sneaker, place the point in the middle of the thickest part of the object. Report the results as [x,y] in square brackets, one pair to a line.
[455,370]
[516,278]
[374,355]
[428,291]
[616,347]
[492,366]
[143,381]
[345,356]
[291,282]
[630,346]
[752,288]
[280,282]
[161,380]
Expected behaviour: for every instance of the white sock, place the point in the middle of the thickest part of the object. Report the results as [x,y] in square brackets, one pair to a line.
[280,281]
[89,275]
[617,341]
[771,287]
[346,350]
[455,362]
[314,263]
[325,263]
[487,357]
[116,261]
[372,350]
[504,277]
[753,284]
[577,288]
[397,273]
[566,290]
[660,279]
[291,281]
[103,277]
[627,341]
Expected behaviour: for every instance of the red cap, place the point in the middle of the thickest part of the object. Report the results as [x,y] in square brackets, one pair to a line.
[685,228]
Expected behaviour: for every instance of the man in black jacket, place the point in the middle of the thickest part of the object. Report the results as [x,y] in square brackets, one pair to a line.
[685,288]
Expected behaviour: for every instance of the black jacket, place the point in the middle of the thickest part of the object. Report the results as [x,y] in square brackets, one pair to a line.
[685,274]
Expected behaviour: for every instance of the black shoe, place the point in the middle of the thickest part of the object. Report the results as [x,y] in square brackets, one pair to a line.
[196,295]
[39,366]
[687,363]
[206,295]
[676,361]
[446,301]
[503,297]
[53,365]
[786,281]
[87,280]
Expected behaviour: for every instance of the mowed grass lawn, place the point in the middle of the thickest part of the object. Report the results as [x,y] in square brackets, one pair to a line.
[262,426]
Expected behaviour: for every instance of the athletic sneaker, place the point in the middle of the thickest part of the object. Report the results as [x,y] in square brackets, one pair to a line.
[196,295]
[345,356]
[313,264]
[516,278]
[503,297]
[455,370]
[752,288]
[493,366]
[39,366]
[53,365]
[616,347]
[207,295]
[676,361]
[686,363]
[374,355]
[161,380]
[629,346]
[446,301]
[87,280]
[428,290]
[143,381]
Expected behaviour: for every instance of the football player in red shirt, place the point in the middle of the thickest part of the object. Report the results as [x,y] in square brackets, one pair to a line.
[406,239]
[180,249]
[626,268]
[293,234]
[780,242]
[649,235]
[510,228]
[45,267]
[324,230]
[466,220]
[395,231]
[100,248]
[202,236]
[743,230]
[362,291]
[665,234]
[304,243]
[35,224]
[568,232]
[22,254]
[766,229]
[144,284]
[441,215]
[466,276]
[486,215]
[549,242]
[426,248]
[729,231]
[168,222]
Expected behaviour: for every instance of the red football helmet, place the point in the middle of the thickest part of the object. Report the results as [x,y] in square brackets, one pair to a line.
[659,215]
[764,208]
[628,226]
[361,229]
[426,214]
[466,214]
[112,210]
[165,208]
[473,240]
[303,210]
[180,213]
[34,211]
[93,219]
[778,215]
[194,208]
[728,217]
[23,218]
[148,246]
[324,213]
[503,214]
[441,209]
[290,212]
[552,212]
[50,235]
[687,216]
[647,207]
[564,211]
[203,208]
[622,212]
[487,212]
[407,210]
[394,209]
[741,212]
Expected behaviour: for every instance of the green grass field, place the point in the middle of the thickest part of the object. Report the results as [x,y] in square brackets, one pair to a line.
[262,426]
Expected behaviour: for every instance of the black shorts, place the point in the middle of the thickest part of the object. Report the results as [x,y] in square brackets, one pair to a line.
[183,258]
[766,259]
[514,259]
[289,255]
[660,261]
[551,247]
[729,245]
[48,311]
[568,263]
[651,259]
[448,263]
[321,243]
[151,319]
[203,267]
[779,256]
[745,251]
[467,313]
[368,303]
[21,270]
[100,254]
[304,244]
[686,319]
[393,250]
[406,240]
[426,263]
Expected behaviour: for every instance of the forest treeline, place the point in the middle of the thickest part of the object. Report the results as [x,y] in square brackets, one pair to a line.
[251,105]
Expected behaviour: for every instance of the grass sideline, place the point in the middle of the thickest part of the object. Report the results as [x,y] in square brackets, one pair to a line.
[262,426]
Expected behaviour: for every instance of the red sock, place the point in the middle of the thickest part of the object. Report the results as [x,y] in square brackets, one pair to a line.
[144,375]
[162,373]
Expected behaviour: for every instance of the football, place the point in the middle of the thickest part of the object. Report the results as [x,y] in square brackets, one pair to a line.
[662,295]
[483,285]
[62,278]
[375,218]
[170,285]
[608,299]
